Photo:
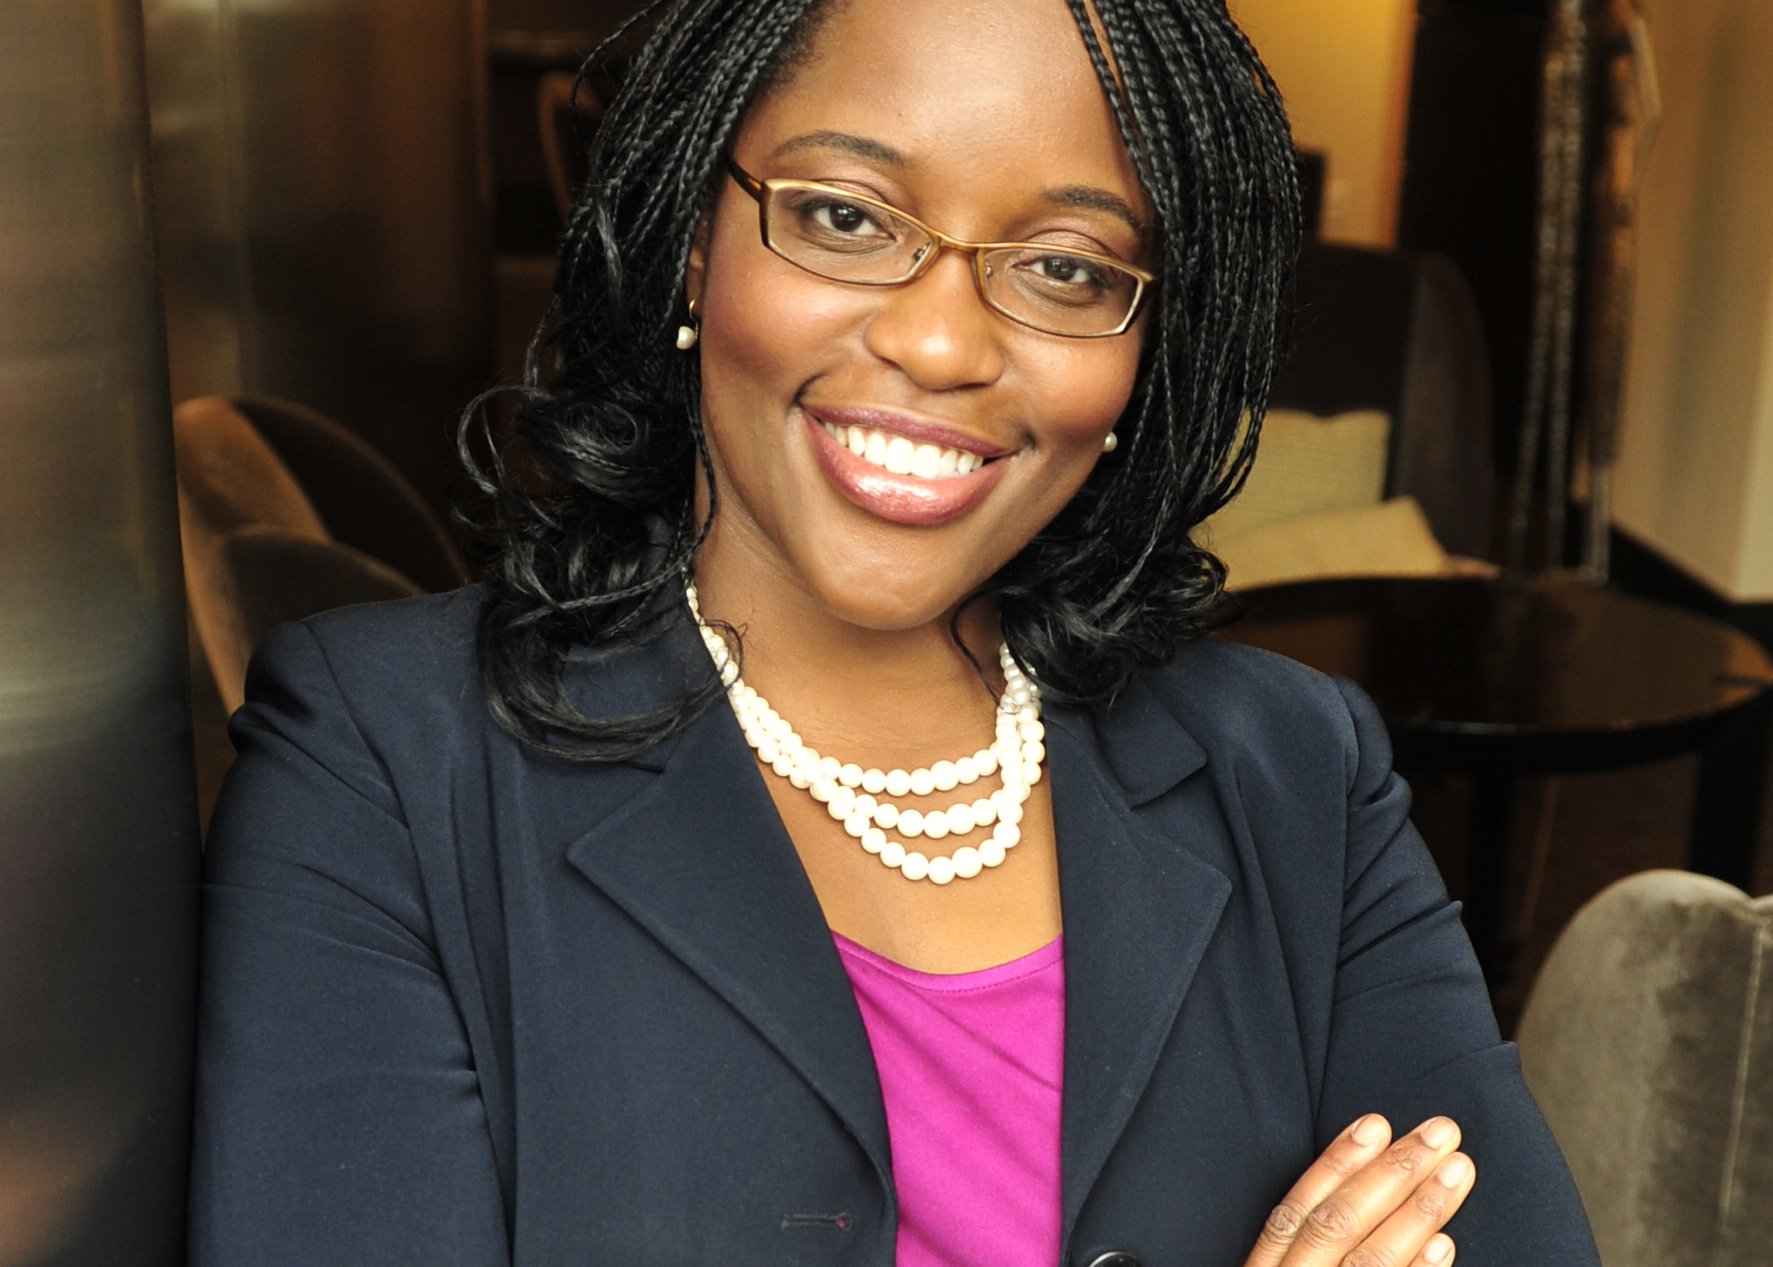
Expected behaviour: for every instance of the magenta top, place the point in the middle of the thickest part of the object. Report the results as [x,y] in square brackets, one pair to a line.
[971,1067]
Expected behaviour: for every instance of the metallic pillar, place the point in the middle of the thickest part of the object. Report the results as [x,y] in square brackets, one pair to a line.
[98,835]
[324,210]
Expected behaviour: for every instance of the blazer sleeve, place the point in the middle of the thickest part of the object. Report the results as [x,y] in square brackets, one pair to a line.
[1413,1035]
[339,1118]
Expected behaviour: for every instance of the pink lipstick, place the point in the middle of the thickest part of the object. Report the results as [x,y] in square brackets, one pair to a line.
[915,500]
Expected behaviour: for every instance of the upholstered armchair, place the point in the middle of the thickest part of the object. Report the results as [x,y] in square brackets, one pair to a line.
[1648,1040]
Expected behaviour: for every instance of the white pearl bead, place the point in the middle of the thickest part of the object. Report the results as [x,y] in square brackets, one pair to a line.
[1006,834]
[967,862]
[898,782]
[1034,752]
[799,779]
[874,840]
[966,770]
[910,823]
[960,818]
[822,790]
[850,775]
[829,767]
[767,749]
[857,825]
[892,853]
[874,781]
[1030,728]
[782,766]
[992,854]
[1010,812]
[865,805]
[808,757]
[986,760]
[886,815]
[922,782]
[915,866]
[935,824]
[945,777]
[984,812]
[841,803]
[941,870]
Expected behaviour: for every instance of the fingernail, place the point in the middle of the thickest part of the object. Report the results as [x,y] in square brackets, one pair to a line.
[1368,1131]
[1455,1172]
[1437,1250]
[1436,1132]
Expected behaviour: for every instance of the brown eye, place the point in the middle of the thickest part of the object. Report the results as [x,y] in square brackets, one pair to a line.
[832,217]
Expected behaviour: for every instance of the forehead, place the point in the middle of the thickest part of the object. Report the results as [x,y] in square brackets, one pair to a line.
[983,93]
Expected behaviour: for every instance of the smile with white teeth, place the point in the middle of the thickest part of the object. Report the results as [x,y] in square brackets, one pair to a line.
[902,456]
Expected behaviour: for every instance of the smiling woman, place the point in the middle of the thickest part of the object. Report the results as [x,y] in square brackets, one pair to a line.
[1000,920]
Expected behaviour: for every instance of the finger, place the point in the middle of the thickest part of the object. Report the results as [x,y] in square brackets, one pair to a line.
[1439,1252]
[1347,1154]
[1413,1231]
[1363,1202]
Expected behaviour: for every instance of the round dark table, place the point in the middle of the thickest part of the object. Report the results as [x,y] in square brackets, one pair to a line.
[1493,679]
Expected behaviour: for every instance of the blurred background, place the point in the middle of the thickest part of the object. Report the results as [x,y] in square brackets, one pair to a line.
[257,255]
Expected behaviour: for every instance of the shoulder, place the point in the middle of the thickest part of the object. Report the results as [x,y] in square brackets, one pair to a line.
[369,691]
[378,655]
[1263,707]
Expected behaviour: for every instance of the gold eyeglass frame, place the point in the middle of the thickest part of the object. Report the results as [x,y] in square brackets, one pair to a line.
[761,190]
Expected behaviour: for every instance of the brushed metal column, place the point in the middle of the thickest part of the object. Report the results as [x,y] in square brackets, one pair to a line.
[324,210]
[98,834]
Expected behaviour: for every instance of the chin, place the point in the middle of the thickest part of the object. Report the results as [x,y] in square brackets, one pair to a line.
[909,580]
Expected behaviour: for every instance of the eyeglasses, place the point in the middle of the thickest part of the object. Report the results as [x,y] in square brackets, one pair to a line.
[848,237]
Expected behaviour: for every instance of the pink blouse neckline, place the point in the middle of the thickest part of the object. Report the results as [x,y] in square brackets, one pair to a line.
[978,979]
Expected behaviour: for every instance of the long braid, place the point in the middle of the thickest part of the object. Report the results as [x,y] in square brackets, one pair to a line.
[1116,579]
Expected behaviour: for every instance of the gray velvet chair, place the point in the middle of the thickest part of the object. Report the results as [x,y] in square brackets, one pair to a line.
[1648,1040]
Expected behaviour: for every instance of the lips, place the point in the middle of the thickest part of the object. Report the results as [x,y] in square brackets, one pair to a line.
[903,470]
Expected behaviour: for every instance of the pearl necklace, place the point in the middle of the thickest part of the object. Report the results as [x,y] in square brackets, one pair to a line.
[857,798]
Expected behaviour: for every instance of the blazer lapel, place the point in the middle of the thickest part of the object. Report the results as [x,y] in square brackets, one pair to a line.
[1139,909]
[699,857]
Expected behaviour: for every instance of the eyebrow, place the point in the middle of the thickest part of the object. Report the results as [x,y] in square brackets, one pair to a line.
[860,146]
[1090,198]
[1083,197]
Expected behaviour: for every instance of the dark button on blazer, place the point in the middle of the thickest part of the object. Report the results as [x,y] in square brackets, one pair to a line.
[467,1005]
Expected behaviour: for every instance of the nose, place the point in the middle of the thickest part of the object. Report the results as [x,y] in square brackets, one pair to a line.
[938,330]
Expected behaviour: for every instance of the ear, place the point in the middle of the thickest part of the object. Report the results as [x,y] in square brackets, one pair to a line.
[696,273]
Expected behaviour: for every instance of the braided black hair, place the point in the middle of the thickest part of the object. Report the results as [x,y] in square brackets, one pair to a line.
[613,441]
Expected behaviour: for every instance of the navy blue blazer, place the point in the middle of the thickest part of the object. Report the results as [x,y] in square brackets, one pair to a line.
[462,1004]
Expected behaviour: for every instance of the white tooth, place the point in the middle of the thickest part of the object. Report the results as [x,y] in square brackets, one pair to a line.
[876,449]
[966,463]
[950,464]
[858,441]
[900,454]
[926,460]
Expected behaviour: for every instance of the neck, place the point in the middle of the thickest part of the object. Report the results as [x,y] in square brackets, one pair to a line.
[899,696]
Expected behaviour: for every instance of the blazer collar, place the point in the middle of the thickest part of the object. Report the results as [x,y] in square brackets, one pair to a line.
[701,860]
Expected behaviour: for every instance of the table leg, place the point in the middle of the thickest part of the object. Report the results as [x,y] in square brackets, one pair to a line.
[1492,814]
[1732,793]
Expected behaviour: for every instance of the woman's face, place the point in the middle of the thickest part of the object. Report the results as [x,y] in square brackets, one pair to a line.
[985,120]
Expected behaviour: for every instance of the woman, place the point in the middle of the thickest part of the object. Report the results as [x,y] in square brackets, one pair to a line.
[1088,939]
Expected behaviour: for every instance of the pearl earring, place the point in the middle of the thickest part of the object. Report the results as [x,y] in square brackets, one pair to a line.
[1110,442]
[689,335]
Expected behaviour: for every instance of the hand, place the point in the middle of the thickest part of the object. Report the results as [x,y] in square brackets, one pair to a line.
[1363,1204]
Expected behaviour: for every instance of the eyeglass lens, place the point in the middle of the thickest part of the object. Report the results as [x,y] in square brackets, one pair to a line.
[850,240]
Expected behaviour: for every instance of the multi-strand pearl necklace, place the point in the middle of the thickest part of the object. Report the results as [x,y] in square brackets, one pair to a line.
[856,797]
